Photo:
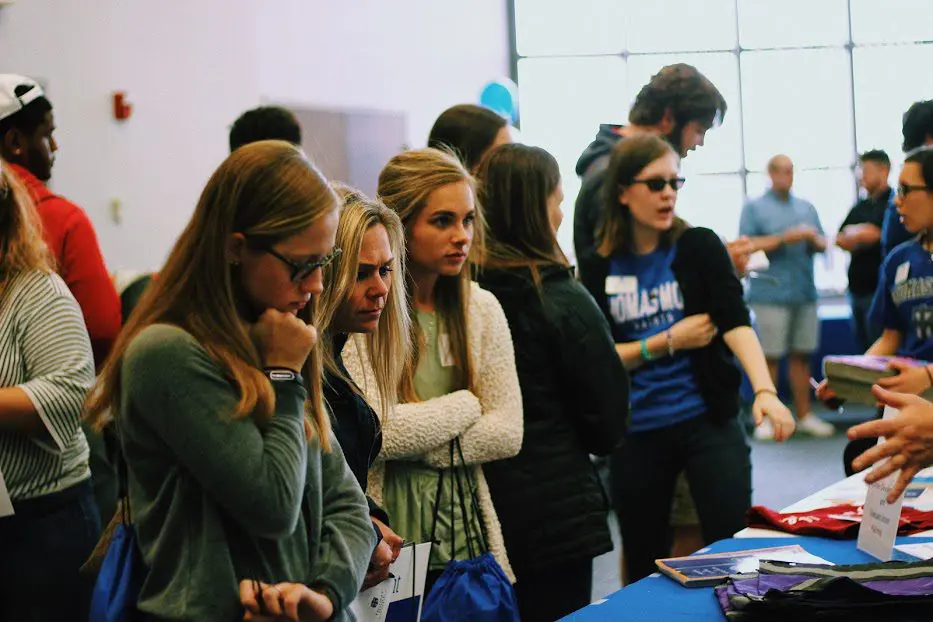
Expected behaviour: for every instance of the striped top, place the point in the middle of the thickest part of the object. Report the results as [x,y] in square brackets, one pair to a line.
[45,352]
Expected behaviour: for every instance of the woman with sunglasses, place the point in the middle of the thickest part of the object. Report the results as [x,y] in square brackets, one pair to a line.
[678,317]
[215,388]
[903,303]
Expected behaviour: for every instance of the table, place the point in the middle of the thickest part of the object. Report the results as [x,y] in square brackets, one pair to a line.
[659,598]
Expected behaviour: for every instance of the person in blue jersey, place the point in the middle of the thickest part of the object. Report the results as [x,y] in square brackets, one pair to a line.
[679,321]
[917,129]
[903,303]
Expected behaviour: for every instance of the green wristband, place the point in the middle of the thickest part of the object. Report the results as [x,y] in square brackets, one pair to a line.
[645,354]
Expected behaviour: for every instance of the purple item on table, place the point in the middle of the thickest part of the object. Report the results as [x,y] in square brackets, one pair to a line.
[781,582]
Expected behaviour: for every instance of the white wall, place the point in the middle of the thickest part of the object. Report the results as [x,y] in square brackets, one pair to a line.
[419,56]
[191,67]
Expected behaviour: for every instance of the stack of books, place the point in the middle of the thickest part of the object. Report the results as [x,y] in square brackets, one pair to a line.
[851,377]
[714,568]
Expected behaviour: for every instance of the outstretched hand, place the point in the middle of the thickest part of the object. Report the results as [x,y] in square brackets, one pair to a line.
[909,440]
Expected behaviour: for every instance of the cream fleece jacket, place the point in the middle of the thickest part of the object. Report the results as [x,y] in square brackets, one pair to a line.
[488,421]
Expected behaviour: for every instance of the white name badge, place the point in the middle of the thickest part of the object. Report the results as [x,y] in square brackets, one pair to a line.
[617,285]
[880,519]
[443,350]
[900,275]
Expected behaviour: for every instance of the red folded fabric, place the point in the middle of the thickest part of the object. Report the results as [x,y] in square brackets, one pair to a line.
[827,522]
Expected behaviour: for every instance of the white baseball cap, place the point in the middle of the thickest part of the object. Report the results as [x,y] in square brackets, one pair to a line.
[10,103]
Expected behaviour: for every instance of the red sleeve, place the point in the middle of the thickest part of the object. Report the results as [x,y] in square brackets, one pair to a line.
[82,267]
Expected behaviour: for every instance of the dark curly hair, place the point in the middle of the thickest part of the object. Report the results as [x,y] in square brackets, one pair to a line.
[686,93]
[918,125]
[265,123]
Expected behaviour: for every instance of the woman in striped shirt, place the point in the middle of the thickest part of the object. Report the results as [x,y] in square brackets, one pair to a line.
[46,371]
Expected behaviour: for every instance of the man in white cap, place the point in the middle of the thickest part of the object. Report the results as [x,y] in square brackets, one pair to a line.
[28,145]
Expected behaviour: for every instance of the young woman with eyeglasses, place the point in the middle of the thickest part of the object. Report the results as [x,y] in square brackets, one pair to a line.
[215,389]
[460,382]
[903,301]
[678,317]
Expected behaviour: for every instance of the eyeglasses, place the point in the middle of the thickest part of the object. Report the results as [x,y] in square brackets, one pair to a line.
[301,271]
[656,184]
[904,189]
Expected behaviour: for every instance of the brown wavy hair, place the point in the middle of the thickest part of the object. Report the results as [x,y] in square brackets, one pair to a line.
[405,184]
[268,191]
[22,247]
[684,92]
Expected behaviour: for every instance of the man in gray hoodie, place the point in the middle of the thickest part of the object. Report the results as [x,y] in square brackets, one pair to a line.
[680,104]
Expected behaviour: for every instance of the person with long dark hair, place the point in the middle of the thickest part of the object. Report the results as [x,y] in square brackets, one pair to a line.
[470,132]
[575,390]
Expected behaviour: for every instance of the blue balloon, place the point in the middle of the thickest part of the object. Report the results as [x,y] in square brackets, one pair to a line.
[502,97]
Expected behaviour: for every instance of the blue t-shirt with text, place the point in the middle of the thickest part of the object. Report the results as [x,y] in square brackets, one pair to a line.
[644,300]
[904,299]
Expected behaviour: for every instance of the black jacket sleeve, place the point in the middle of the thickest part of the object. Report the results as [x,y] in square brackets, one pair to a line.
[587,216]
[723,290]
[593,271]
[593,372]
[377,512]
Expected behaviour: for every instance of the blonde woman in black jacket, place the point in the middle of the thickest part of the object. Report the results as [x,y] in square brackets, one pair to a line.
[575,390]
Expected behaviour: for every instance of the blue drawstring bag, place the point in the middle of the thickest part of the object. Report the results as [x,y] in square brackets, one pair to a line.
[473,590]
[121,575]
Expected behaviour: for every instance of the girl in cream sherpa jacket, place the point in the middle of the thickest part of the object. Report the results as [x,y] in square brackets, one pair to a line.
[489,422]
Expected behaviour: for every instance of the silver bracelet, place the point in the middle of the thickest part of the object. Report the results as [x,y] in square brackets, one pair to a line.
[670,343]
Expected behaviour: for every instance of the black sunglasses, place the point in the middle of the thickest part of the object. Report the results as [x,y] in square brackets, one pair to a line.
[656,184]
[904,189]
[301,271]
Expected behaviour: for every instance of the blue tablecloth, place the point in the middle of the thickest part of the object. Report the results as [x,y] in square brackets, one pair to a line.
[659,598]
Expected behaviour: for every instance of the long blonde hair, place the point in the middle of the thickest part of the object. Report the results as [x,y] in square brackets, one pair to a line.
[405,184]
[268,191]
[21,245]
[388,346]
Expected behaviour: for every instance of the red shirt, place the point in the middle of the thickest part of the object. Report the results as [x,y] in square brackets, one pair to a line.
[829,522]
[71,238]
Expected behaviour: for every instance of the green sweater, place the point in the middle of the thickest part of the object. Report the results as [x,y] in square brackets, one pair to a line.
[216,500]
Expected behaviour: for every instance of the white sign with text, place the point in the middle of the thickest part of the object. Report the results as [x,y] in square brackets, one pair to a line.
[881,519]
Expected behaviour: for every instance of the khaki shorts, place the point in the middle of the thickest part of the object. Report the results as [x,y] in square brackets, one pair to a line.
[683,511]
[787,328]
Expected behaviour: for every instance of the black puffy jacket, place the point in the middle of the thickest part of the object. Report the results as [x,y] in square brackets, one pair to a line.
[575,393]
